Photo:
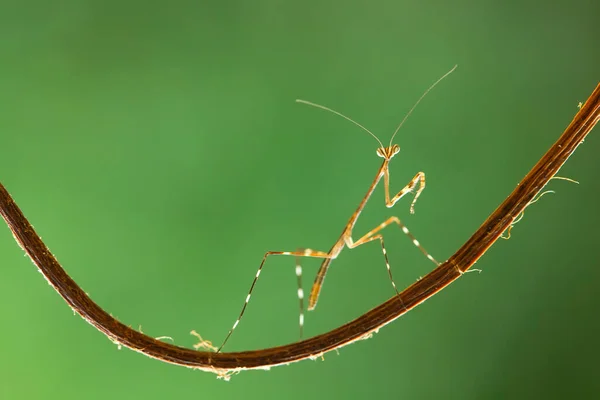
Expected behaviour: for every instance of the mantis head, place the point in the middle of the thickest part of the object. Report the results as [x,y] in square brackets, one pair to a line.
[388,152]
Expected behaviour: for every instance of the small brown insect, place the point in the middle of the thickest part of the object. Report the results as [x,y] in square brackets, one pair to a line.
[345,239]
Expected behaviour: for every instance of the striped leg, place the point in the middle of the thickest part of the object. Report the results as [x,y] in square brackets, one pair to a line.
[404,229]
[411,237]
[368,238]
[304,253]
[300,294]
[372,235]
[418,179]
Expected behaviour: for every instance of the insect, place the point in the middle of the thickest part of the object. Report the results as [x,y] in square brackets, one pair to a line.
[345,239]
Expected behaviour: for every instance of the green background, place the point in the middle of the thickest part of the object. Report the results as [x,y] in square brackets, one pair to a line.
[158,151]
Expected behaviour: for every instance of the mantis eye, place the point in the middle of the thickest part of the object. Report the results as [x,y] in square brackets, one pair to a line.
[381,152]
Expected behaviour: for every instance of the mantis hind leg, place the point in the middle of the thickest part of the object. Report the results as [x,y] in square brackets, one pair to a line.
[303,253]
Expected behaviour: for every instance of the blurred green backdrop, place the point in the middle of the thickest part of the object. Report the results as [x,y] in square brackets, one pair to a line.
[158,150]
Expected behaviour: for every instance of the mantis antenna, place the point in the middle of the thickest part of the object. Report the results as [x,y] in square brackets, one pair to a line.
[401,123]
[418,101]
[341,115]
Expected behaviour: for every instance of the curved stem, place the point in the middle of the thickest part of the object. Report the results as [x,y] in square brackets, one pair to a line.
[224,363]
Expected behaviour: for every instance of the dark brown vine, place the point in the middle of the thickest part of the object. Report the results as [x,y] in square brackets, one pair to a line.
[225,363]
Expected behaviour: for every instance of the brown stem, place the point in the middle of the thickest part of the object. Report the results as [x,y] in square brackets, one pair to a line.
[224,363]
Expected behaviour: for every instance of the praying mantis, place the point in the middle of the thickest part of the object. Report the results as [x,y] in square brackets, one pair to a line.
[346,238]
